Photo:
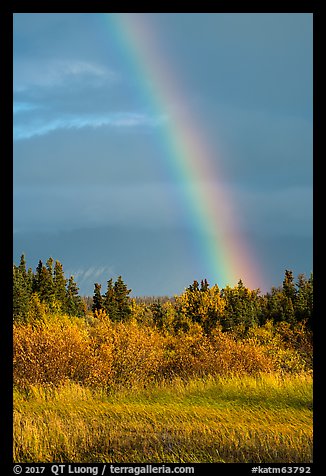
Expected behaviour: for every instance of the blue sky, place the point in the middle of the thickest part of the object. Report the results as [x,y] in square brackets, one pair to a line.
[91,185]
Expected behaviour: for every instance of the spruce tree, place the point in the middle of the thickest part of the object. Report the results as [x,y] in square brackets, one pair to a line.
[50,292]
[288,285]
[194,286]
[122,299]
[59,284]
[204,286]
[49,265]
[45,286]
[242,306]
[74,303]
[29,280]
[109,302]
[43,283]
[289,296]
[22,288]
[22,266]
[37,277]
[97,298]
[304,299]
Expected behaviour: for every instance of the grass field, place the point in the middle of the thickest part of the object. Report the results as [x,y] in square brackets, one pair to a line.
[235,419]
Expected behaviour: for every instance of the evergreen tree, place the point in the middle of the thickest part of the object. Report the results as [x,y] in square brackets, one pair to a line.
[122,299]
[59,284]
[22,266]
[97,298]
[49,265]
[29,280]
[303,305]
[274,305]
[45,286]
[214,309]
[109,302]
[204,286]
[37,277]
[242,306]
[288,310]
[158,313]
[288,285]
[27,275]
[22,289]
[21,294]
[74,303]
[190,303]
[289,296]
[50,292]
[193,287]
[279,306]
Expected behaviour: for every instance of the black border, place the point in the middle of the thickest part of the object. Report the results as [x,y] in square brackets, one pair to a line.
[6,176]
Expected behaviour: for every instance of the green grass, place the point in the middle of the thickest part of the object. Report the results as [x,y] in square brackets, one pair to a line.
[265,419]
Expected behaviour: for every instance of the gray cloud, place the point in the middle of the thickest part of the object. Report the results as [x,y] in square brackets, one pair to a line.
[39,126]
[23,107]
[49,73]
[90,153]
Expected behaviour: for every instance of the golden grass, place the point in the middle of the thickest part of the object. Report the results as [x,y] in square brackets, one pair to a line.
[94,391]
[266,418]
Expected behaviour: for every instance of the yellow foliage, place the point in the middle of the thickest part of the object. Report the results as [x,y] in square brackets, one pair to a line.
[138,351]
[37,310]
[100,314]
[99,353]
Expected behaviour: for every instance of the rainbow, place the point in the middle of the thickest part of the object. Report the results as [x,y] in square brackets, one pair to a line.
[208,204]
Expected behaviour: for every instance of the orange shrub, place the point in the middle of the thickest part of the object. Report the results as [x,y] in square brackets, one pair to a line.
[195,354]
[288,347]
[185,353]
[98,352]
[232,356]
[57,350]
[137,352]
[49,353]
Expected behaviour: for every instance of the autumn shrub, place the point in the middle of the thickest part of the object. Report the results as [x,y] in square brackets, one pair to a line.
[298,338]
[196,354]
[103,354]
[233,356]
[99,353]
[261,349]
[137,353]
[49,352]
[183,353]
[288,347]
[58,349]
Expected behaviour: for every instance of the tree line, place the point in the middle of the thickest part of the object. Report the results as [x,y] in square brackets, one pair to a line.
[200,303]
[48,285]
